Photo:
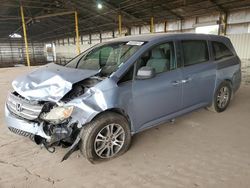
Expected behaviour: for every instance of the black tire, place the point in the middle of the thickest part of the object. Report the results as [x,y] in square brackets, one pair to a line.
[90,131]
[216,107]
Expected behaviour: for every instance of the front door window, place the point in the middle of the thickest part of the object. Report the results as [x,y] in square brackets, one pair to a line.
[161,58]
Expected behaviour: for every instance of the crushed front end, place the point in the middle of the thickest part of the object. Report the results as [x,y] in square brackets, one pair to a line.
[51,105]
[44,122]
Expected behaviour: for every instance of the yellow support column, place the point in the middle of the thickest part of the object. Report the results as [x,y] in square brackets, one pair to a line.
[165,26]
[120,24]
[25,37]
[152,24]
[77,34]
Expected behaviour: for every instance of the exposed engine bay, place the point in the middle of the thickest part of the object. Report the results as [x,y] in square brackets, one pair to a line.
[81,87]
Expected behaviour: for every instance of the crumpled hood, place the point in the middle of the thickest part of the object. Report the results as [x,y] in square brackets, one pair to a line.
[50,82]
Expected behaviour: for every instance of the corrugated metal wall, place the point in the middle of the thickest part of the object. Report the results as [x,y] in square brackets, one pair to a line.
[13,52]
[241,44]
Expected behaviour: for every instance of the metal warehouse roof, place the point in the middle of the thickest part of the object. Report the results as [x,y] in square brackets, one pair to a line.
[92,19]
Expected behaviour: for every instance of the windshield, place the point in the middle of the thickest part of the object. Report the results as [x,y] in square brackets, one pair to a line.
[106,58]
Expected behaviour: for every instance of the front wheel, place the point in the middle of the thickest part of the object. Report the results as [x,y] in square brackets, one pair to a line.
[105,137]
[222,97]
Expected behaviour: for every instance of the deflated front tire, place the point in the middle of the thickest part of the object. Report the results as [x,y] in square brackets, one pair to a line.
[105,137]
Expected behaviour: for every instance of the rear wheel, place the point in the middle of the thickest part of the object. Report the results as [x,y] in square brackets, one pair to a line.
[222,97]
[106,137]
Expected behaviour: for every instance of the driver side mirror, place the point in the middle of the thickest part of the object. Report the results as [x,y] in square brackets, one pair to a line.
[145,73]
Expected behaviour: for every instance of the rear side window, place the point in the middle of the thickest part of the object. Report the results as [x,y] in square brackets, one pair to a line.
[194,52]
[221,50]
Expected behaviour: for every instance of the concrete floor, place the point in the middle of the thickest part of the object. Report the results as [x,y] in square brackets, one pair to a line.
[201,149]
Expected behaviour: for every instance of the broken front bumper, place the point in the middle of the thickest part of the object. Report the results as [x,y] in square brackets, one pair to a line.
[24,127]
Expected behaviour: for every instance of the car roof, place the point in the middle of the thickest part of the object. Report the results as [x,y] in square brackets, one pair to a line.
[156,36]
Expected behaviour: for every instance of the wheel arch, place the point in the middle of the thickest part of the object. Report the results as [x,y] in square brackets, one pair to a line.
[228,80]
[118,111]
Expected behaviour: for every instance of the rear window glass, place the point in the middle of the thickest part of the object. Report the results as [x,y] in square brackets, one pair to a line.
[221,50]
[194,52]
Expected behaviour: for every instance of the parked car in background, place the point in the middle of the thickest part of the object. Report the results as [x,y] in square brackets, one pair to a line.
[118,88]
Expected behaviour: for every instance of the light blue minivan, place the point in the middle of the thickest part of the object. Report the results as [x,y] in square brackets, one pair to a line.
[99,99]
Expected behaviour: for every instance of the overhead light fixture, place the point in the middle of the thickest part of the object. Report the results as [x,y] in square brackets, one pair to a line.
[99,5]
[15,35]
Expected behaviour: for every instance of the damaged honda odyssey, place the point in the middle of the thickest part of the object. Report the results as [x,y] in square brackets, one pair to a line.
[113,90]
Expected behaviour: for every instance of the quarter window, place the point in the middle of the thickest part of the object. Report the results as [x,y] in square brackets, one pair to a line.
[128,76]
[221,50]
[194,52]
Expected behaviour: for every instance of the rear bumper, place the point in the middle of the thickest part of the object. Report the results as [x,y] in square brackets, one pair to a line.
[23,127]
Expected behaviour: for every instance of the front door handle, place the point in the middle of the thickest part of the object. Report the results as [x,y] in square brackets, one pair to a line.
[186,80]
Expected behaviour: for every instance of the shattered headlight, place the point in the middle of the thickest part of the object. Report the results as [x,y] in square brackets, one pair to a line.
[58,114]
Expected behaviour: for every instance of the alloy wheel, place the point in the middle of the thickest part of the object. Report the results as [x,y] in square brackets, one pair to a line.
[223,97]
[109,140]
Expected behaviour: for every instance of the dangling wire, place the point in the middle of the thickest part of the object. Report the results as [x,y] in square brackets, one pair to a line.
[48,148]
